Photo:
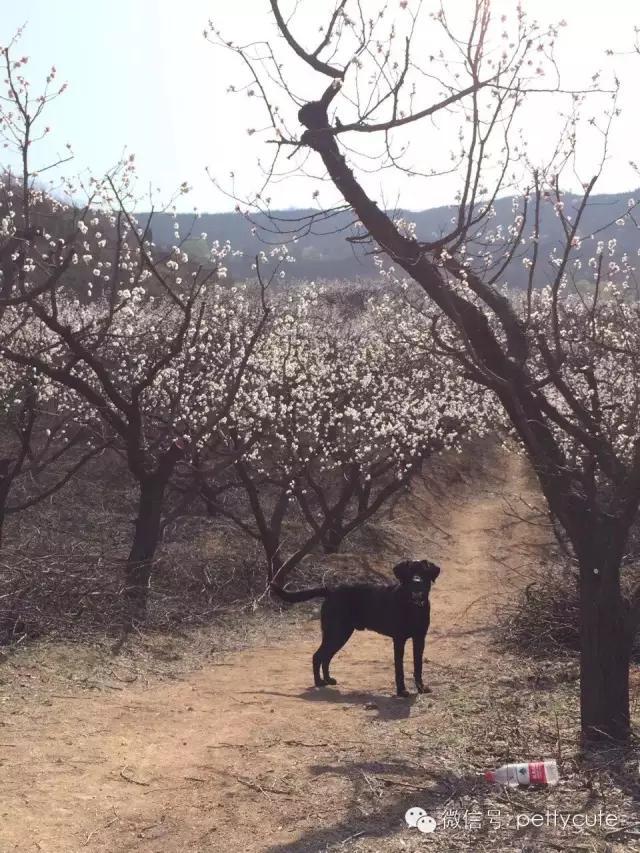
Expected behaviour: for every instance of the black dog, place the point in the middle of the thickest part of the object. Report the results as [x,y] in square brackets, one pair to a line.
[399,611]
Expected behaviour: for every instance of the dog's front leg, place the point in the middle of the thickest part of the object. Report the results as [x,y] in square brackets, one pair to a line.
[398,659]
[418,651]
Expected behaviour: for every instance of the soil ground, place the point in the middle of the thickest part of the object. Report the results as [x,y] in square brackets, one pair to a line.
[236,752]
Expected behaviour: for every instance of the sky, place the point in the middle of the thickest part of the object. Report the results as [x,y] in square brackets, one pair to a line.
[142,77]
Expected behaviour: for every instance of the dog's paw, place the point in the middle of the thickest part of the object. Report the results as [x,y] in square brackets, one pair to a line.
[421,688]
[402,694]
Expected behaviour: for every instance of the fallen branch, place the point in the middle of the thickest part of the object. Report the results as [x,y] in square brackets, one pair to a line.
[254,786]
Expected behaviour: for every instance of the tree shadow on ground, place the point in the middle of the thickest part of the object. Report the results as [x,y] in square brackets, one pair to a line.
[618,763]
[414,786]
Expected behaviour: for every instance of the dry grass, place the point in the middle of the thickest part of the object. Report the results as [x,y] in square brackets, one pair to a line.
[544,620]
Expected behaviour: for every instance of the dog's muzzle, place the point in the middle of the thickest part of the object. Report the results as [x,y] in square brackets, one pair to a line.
[418,596]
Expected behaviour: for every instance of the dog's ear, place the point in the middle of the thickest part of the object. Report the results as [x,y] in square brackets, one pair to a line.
[404,571]
[430,570]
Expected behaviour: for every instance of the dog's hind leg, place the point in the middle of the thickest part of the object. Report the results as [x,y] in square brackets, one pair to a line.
[317,660]
[332,646]
[319,656]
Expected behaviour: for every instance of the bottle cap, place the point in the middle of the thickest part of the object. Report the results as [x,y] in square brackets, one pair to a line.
[490,776]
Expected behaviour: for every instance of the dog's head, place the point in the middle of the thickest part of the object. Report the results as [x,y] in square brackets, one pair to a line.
[417,576]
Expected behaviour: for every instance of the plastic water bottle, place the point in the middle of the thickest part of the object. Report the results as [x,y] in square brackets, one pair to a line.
[525,773]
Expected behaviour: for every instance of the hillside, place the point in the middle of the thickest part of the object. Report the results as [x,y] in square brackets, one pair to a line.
[325,253]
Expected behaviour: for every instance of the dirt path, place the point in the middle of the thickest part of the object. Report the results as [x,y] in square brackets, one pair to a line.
[243,756]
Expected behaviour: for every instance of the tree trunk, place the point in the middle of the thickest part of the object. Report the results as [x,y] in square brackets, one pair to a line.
[332,539]
[606,640]
[271,545]
[145,542]
[3,515]
[7,474]
[212,508]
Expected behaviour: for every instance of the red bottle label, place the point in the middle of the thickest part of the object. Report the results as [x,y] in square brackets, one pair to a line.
[537,775]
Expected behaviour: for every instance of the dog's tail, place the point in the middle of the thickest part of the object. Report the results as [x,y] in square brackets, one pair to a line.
[301,595]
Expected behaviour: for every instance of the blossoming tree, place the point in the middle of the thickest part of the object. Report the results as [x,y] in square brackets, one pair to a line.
[561,361]
[335,417]
[150,347]
[43,443]
[157,374]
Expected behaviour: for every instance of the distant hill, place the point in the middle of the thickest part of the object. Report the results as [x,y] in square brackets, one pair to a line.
[325,253]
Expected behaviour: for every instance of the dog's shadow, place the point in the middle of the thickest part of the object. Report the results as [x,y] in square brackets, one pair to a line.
[385,707]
